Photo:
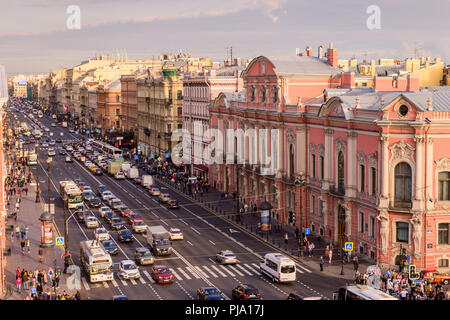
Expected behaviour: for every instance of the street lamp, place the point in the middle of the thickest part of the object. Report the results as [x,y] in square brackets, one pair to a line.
[38,199]
[49,160]
[300,181]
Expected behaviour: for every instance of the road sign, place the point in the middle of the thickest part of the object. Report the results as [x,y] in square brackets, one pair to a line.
[418,281]
[136,157]
[87,131]
[348,246]
[307,231]
[76,132]
[152,156]
[59,241]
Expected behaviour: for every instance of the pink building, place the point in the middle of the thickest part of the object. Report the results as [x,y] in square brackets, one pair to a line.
[366,165]
[198,93]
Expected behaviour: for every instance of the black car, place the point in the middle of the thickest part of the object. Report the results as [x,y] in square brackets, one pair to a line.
[58,140]
[246,292]
[125,235]
[80,215]
[110,215]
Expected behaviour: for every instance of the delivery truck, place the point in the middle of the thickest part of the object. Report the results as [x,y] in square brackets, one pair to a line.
[133,173]
[113,167]
[125,166]
[147,180]
[158,238]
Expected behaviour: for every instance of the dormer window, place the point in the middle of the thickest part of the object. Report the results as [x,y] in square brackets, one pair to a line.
[403,110]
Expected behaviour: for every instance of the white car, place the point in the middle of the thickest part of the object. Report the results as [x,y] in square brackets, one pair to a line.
[53,125]
[101,234]
[71,130]
[226,256]
[69,148]
[164,197]
[44,144]
[119,175]
[51,152]
[92,222]
[103,210]
[155,192]
[47,130]
[175,234]
[129,270]
[106,195]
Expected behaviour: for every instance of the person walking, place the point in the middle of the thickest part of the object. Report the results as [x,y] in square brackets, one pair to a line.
[50,274]
[22,244]
[286,238]
[25,190]
[321,263]
[28,245]
[25,280]
[330,256]
[296,232]
[40,253]
[18,283]
[355,263]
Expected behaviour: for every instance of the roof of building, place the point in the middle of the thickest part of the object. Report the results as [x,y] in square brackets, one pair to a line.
[114,84]
[228,71]
[302,65]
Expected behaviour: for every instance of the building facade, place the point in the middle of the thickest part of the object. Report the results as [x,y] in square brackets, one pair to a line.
[109,106]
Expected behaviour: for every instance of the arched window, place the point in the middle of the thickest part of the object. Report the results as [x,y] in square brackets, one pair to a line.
[403,186]
[444,184]
[274,94]
[291,160]
[252,93]
[263,94]
[341,172]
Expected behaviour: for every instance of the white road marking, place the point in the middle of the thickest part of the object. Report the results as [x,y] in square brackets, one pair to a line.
[256,266]
[124,282]
[193,273]
[209,270]
[201,271]
[105,284]
[195,230]
[86,285]
[302,267]
[184,222]
[212,242]
[175,274]
[164,222]
[133,281]
[226,270]
[149,277]
[184,274]
[250,267]
[114,283]
[189,243]
[218,271]
[153,213]
[142,280]
[236,270]
[243,269]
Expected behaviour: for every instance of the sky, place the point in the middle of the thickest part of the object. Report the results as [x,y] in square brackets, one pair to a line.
[34,37]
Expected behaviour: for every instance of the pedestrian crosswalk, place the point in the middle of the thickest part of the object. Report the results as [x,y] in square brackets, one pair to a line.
[186,273]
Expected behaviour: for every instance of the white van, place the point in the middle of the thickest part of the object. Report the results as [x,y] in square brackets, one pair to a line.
[278,267]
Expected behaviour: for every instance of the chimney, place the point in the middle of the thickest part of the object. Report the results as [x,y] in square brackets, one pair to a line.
[320,52]
[348,80]
[372,68]
[308,51]
[427,62]
[332,56]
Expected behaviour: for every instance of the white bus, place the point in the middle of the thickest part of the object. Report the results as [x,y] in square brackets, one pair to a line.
[113,152]
[71,194]
[40,114]
[32,158]
[278,267]
[95,261]
[361,292]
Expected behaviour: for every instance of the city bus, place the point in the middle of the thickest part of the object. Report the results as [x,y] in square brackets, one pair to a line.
[111,151]
[32,158]
[95,261]
[71,194]
[361,292]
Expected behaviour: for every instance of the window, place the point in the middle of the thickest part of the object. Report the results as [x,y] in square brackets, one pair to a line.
[361,222]
[179,95]
[443,229]
[373,173]
[118,124]
[372,227]
[180,112]
[117,99]
[263,94]
[313,165]
[117,112]
[180,126]
[444,183]
[169,128]
[341,168]
[403,110]
[321,167]
[313,204]
[291,160]
[403,188]
[443,263]
[320,208]
[362,179]
[402,232]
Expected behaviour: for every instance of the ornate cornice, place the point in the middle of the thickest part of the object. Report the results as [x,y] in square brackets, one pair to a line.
[402,150]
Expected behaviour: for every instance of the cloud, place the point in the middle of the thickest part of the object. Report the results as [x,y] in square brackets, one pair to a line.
[269,7]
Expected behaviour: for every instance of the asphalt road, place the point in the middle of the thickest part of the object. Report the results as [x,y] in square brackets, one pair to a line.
[193,260]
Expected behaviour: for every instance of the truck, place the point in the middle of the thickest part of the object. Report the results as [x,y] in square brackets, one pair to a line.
[32,158]
[125,166]
[158,238]
[113,168]
[71,194]
[133,173]
[147,180]
[64,124]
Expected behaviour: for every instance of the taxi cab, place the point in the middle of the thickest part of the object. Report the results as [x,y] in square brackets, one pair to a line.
[226,256]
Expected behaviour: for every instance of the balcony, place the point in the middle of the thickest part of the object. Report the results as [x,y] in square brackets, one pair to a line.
[339,191]
[288,178]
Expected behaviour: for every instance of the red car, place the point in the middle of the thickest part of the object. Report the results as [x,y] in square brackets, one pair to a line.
[132,217]
[162,274]
[125,212]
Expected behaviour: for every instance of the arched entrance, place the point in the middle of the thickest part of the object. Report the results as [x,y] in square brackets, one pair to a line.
[341,226]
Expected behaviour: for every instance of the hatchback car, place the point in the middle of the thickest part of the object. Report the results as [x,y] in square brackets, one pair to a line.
[110,247]
[101,234]
[143,256]
[173,204]
[125,235]
[162,274]
[91,222]
[209,293]
[119,175]
[139,226]
[103,210]
[246,292]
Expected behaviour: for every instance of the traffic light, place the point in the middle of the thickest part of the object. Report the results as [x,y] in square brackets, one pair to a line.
[293,218]
[412,272]
[290,216]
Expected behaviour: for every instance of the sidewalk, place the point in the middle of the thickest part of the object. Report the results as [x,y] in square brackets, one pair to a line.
[29,214]
[211,201]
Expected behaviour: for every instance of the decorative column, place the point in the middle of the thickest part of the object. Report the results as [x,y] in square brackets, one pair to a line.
[351,164]
[300,149]
[429,182]
[420,173]
[327,181]
[384,167]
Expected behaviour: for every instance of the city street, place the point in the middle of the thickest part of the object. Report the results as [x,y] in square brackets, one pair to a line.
[193,259]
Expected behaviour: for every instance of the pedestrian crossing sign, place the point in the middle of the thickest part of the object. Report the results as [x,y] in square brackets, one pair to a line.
[59,241]
[348,246]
